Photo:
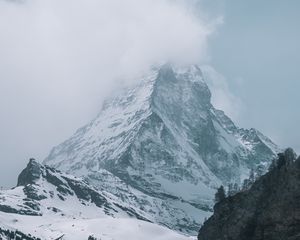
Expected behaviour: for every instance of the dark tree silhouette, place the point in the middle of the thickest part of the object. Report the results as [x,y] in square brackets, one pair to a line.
[220,194]
[252,176]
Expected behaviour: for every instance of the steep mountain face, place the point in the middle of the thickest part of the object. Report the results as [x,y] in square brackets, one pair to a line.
[49,204]
[164,140]
[269,210]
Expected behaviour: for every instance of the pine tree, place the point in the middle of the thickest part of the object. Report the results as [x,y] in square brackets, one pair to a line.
[252,176]
[246,184]
[259,171]
[236,188]
[273,165]
[233,188]
[281,160]
[220,194]
[230,191]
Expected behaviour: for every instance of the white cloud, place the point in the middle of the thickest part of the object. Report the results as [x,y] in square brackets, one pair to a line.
[60,58]
[59,49]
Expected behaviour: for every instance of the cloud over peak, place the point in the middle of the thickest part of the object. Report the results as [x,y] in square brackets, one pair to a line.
[60,58]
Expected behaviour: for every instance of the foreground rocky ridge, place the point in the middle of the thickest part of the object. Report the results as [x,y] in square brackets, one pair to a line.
[49,204]
[42,190]
[269,210]
[161,135]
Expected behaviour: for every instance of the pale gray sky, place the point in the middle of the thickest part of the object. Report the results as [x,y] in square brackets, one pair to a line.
[257,49]
[58,60]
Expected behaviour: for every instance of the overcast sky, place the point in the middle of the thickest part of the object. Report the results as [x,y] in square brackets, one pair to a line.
[60,58]
[257,50]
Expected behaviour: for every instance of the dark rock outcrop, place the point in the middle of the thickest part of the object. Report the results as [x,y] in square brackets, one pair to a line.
[38,182]
[64,185]
[269,210]
[30,174]
[7,234]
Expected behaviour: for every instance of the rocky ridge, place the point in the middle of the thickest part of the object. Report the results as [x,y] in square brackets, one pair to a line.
[49,204]
[43,190]
[269,210]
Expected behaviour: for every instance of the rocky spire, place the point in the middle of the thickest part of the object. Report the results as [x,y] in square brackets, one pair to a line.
[30,174]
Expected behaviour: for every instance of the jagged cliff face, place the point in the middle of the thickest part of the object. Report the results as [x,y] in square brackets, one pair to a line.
[269,210]
[164,139]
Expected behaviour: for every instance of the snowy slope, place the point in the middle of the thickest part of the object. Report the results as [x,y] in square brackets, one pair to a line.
[162,143]
[47,204]
[108,228]
[45,191]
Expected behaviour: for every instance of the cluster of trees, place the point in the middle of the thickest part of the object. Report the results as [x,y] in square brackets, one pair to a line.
[284,159]
[234,188]
[92,238]
[220,194]
[15,235]
[247,183]
[254,174]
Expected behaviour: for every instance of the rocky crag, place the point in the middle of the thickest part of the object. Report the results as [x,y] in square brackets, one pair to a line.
[49,204]
[269,210]
[43,190]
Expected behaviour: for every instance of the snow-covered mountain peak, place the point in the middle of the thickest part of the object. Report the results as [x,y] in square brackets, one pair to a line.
[163,138]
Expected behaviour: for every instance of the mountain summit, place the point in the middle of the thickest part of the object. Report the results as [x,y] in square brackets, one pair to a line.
[162,146]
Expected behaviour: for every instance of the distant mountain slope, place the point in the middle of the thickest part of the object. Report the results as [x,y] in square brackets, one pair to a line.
[269,210]
[48,204]
[164,139]
[42,190]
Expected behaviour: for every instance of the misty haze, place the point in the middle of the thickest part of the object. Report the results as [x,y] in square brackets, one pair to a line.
[149,119]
